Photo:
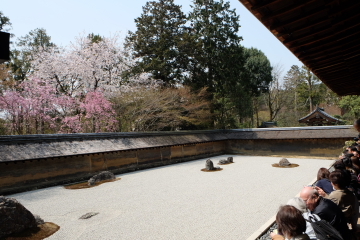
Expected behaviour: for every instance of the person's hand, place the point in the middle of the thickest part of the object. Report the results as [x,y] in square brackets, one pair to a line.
[273,233]
[321,192]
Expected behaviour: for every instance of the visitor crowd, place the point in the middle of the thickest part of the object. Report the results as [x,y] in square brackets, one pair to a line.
[333,200]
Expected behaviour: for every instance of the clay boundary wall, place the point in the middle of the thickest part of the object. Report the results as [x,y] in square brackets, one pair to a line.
[36,161]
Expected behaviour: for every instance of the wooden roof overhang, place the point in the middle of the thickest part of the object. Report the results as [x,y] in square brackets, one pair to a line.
[323,34]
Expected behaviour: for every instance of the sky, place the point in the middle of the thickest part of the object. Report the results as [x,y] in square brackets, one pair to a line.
[64,20]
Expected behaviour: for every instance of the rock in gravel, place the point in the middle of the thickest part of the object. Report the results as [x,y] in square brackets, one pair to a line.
[284,162]
[88,215]
[105,175]
[14,217]
[228,160]
[209,165]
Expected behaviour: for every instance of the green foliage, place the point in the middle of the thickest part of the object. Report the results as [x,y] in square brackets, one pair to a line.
[292,78]
[310,89]
[351,104]
[5,24]
[348,144]
[19,64]
[214,28]
[160,29]
[304,91]
[200,52]
[307,89]
[3,128]
[256,76]
[217,61]
[95,38]
[34,40]
[27,47]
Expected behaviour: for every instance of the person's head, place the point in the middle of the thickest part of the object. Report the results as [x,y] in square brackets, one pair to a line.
[337,179]
[311,197]
[323,173]
[298,203]
[357,125]
[355,161]
[290,221]
[348,149]
[353,148]
[339,165]
[347,162]
[354,151]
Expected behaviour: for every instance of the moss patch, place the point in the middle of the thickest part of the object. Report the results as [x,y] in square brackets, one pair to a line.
[215,170]
[290,166]
[85,184]
[40,232]
[225,163]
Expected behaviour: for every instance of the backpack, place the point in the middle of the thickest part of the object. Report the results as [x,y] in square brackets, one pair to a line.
[323,230]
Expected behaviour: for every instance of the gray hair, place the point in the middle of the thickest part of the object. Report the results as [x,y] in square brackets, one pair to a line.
[298,203]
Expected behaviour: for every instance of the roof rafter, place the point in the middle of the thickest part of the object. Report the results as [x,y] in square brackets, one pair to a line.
[323,34]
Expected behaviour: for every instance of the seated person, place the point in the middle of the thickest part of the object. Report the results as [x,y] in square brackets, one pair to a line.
[339,165]
[291,224]
[323,181]
[342,155]
[351,179]
[299,204]
[357,127]
[344,198]
[356,164]
[358,147]
[354,151]
[325,209]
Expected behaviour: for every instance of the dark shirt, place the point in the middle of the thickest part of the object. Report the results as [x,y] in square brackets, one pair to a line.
[325,185]
[331,213]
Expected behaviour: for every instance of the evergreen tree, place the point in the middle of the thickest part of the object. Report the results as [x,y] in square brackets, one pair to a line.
[256,76]
[5,24]
[351,104]
[155,43]
[95,38]
[34,40]
[216,60]
[217,54]
[311,90]
[27,47]
[253,80]
[292,80]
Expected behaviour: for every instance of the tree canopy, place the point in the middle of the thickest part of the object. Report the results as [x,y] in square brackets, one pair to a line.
[155,43]
[176,71]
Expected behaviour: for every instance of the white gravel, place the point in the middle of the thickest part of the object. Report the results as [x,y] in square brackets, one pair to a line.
[176,201]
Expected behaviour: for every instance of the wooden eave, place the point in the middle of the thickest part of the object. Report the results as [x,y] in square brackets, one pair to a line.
[319,115]
[323,34]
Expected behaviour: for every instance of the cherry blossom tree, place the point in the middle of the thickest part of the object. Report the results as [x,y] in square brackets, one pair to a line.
[95,114]
[32,109]
[69,88]
[38,108]
[88,66]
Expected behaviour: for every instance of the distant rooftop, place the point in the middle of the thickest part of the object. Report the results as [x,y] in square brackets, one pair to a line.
[319,117]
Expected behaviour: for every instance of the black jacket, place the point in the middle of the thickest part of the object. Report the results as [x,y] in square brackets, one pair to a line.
[331,213]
